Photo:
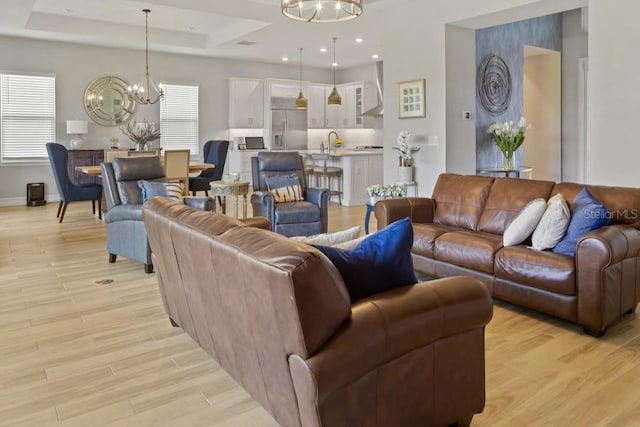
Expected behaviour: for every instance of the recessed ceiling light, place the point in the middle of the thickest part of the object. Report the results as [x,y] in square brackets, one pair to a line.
[69,10]
[285,59]
[335,64]
[375,56]
[323,49]
[359,40]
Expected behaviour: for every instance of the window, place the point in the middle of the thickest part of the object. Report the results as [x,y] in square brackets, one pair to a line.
[179,118]
[27,116]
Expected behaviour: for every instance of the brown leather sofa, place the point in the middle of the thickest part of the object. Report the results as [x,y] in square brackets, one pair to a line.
[276,315]
[459,231]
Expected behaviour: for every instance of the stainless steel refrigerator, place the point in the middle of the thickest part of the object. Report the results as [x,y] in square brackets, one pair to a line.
[288,125]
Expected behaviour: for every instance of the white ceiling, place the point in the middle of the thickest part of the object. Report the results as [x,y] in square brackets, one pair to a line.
[199,27]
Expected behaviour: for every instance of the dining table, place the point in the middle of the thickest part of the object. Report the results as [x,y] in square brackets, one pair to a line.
[94,170]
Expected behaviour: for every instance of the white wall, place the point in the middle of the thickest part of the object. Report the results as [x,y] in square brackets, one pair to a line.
[76,65]
[614,92]
[461,96]
[574,47]
[414,48]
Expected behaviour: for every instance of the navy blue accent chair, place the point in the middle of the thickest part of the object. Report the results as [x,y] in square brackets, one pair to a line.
[70,192]
[214,152]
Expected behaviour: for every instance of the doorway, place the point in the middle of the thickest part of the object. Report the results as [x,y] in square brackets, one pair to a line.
[543,109]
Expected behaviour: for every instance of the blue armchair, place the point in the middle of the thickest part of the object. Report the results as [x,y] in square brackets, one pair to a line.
[301,218]
[70,192]
[214,152]
[126,233]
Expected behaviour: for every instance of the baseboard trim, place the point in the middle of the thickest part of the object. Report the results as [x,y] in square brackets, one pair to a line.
[21,201]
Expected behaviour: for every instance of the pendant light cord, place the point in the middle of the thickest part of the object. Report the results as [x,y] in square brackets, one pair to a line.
[300,69]
[334,61]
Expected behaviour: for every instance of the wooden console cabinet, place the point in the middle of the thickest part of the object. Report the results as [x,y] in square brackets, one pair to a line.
[88,157]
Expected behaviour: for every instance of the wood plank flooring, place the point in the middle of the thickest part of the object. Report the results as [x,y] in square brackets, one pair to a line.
[76,351]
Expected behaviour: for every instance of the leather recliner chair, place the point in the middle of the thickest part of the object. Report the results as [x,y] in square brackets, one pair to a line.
[302,218]
[126,233]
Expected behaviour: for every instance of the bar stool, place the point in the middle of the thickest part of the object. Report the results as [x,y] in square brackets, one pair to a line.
[308,168]
[326,173]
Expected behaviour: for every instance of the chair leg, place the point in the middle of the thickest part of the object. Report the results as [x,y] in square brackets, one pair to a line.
[59,208]
[64,209]
[173,323]
[148,268]
[206,193]
[100,208]
[193,193]
[112,258]
[219,200]
[93,206]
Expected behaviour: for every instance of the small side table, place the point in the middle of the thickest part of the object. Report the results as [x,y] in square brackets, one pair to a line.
[413,184]
[224,189]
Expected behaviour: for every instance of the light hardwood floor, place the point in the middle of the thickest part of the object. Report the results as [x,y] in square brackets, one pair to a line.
[78,351]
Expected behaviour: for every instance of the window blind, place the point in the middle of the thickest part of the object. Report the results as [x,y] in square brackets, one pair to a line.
[27,116]
[179,118]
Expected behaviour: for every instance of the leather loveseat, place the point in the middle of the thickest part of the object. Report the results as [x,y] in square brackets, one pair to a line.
[459,231]
[276,315]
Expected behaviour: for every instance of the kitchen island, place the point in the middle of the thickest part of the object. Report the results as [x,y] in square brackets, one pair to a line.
[361,168]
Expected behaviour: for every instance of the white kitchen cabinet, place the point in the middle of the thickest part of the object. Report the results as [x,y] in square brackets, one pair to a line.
[240,161]
[351,112]
[316,103]
[246,103]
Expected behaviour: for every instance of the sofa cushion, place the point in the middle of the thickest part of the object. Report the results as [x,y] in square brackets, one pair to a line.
[623,203]
[524,223]
[507,198]
[460,199]
[553,224]
[539,269]
[330,239]
[382,261]
[425,235]
[469,249]
[587,214]
[170,190]
[297,212]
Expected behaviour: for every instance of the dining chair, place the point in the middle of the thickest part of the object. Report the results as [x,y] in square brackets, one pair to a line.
[111,154]
[214,152]
[176,167]
[143,153]
[70,192]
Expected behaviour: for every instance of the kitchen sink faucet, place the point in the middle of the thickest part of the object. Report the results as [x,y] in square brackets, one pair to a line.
[329,138]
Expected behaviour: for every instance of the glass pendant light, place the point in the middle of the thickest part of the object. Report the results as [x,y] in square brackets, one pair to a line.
[301,101]
[334,97]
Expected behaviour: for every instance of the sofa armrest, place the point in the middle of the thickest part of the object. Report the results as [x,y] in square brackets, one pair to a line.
[606,275]
[257,222]
[419,209]
[263,204]
[200,203]
[392,324]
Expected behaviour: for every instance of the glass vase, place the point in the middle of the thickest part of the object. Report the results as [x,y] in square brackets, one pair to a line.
[509,161]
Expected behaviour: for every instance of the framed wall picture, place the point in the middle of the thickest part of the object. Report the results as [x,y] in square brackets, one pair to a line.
[411,102]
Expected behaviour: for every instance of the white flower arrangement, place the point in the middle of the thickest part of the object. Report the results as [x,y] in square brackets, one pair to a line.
[389,190]
[509,137]
[405,148]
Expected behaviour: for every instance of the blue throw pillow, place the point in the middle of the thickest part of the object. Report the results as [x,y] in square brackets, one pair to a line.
[587,215]
[170,190]
[380,262]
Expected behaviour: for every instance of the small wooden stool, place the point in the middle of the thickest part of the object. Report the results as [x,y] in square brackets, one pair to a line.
[236,189]
[327,173]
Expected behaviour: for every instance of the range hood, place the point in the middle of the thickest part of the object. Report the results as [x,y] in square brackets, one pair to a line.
[378,110]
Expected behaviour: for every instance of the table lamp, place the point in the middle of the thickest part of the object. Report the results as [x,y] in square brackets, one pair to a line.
[77,128]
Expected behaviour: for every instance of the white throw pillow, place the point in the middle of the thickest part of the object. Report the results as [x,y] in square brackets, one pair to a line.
[330,239]
[524,223]
[553,224]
